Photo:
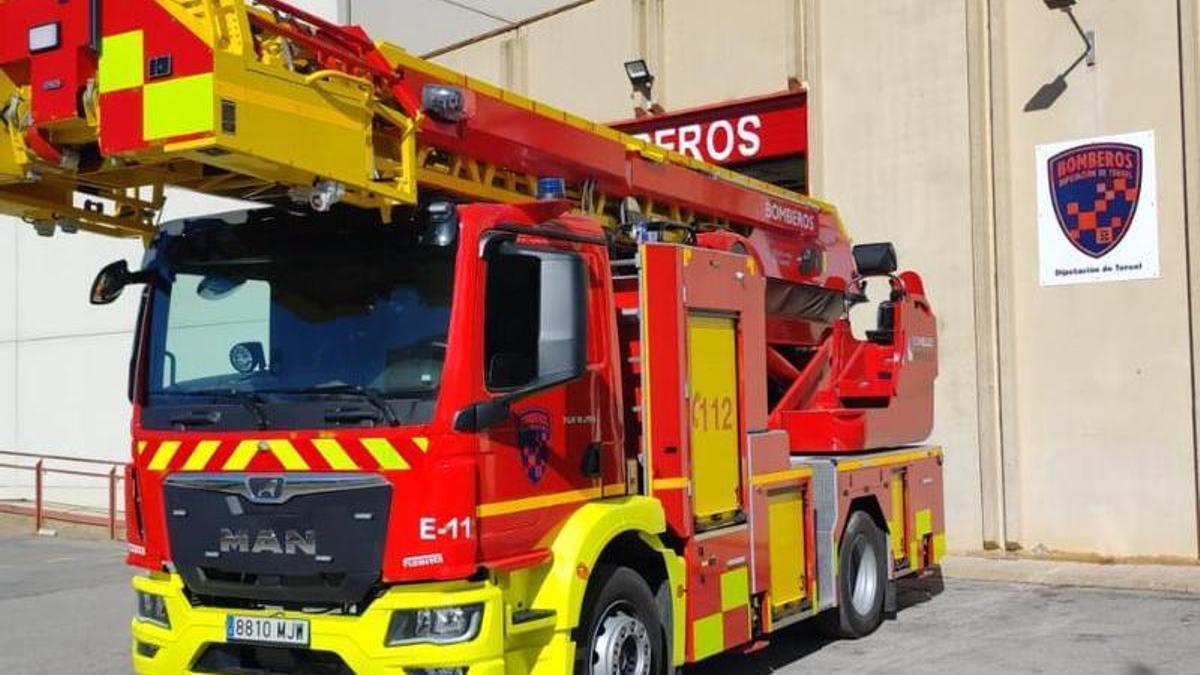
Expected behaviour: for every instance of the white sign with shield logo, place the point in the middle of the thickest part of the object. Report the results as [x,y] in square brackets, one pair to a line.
[1097,209]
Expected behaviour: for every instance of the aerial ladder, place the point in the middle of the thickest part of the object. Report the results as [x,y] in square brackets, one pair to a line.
[261,101]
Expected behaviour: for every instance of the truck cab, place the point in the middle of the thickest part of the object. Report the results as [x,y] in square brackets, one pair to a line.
[327,405]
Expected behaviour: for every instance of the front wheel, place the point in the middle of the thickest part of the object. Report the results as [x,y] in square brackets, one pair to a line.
[619,630]
[862,580]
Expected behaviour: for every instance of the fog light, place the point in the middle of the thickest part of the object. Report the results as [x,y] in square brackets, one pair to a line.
[438,625]
[146,649]
[153,608]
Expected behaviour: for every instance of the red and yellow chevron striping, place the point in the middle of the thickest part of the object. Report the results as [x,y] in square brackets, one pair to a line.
[282,454]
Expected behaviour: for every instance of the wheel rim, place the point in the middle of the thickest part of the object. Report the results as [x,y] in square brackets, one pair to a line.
[864,570]
[621,644]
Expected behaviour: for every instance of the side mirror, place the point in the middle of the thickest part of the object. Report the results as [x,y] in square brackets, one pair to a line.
[875,260]
[110,282]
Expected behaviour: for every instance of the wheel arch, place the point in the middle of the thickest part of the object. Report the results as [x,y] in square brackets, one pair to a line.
[618,532]
[868,504]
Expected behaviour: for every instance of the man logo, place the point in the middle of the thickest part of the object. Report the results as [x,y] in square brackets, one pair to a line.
[1095,190]
[293,542]
[265,488]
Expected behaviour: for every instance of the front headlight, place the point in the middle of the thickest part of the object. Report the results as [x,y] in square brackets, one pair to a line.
[439,625]
[153,608]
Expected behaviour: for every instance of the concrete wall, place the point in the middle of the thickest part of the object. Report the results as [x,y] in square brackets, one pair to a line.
[1098,426]
[1066,413]
[63,362]
[744,53]
[546,59]
[893,155]
[902,175]
[574,60]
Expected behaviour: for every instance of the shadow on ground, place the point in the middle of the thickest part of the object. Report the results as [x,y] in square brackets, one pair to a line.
[792,644]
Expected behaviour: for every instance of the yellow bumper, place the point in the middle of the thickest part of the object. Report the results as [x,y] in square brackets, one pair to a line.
[358,640]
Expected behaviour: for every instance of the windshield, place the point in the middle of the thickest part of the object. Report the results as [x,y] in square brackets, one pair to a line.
[254,315]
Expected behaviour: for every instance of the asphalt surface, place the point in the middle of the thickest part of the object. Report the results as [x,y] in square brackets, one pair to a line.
[65,606]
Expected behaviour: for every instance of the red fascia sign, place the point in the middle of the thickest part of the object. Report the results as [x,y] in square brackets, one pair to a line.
[731,133]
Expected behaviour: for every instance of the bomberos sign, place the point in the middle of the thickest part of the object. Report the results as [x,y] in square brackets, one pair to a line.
[1097,210]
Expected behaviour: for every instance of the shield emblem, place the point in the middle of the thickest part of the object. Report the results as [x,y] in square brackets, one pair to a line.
[1095,190]
[533,437]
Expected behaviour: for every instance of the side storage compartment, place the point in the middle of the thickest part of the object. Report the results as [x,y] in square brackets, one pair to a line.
[782,525]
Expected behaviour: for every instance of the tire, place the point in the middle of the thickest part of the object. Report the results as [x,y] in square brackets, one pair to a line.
[619,631]
[862,581]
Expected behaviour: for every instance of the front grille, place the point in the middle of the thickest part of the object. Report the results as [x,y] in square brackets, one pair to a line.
[304,541]
[230,659]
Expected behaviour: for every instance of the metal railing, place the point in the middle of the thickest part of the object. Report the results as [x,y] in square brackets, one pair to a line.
[36,463]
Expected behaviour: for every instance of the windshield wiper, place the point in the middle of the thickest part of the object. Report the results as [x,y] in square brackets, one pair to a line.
[251,401]
[372,396]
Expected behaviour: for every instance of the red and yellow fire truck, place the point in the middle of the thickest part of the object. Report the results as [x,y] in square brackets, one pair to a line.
[484,387]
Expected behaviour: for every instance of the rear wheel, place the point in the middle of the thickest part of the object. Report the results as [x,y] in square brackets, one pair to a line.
[862,580]
[619,630]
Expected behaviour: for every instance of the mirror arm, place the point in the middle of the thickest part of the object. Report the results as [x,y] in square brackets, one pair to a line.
[139,277]
[482,414]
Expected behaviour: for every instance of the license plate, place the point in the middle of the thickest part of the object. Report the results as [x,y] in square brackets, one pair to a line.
[266,629]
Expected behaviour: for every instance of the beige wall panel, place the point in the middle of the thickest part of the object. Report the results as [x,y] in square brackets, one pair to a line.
[576,60]
[482,60]
[1100,403]
[894,109]
[10,480]
[71,396]
[716,50]
[8,279]
[8,396]
[54,274]
[327,9]
[419,25]
[53,278]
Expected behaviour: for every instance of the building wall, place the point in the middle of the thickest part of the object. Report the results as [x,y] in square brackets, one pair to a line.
[898,172]
[1066,413]
[1098,436]
[743,54]
[63,362]
[546,58]
[891,110]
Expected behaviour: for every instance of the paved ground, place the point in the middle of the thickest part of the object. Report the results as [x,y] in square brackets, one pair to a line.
[65,606]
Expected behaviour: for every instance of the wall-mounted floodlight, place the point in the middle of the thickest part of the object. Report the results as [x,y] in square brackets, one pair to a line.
[639,73]
[1045,96]
[1088,36]
[641,79]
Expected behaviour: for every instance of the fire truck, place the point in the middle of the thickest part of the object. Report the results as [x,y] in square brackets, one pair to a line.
[480,386]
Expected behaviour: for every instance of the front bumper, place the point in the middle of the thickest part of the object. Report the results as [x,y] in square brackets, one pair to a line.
[358,640]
